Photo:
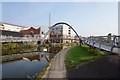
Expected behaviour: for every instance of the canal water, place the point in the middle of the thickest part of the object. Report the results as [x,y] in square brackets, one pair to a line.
[23,68]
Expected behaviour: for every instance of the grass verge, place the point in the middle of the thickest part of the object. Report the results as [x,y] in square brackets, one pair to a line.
[78,55]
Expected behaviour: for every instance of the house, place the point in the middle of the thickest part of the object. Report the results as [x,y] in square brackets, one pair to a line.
[10,27]
[31,32]
[10,30]
[61,34]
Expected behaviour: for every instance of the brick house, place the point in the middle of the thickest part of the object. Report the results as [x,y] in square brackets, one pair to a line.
[31,32]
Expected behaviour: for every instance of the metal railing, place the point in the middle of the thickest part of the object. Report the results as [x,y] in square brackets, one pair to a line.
[19,39]
[111,44]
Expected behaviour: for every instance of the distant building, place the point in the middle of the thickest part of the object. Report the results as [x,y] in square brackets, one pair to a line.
[10,30]
[31,32]
[11,27]
[43,35]
[76,39]
[61,34]
[6,33]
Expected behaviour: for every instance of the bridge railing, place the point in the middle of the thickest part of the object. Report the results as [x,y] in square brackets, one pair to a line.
[111,44]
[18,39]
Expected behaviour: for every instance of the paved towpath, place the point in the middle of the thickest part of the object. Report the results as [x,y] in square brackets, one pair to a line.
[57,68]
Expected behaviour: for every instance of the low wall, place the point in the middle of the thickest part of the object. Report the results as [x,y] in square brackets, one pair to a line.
[13,57]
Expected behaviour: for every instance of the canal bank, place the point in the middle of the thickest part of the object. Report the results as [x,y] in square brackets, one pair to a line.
[7,58]
[56,67]
[29,64]
[42,73]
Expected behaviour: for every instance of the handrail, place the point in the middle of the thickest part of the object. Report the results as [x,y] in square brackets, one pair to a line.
[104,41]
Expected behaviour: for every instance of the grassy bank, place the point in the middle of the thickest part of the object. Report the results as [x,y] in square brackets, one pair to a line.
[77,55]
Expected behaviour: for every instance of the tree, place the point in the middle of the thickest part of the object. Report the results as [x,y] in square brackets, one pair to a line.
[109,38]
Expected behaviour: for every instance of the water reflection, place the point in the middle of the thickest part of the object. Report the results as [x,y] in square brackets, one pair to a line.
[28,66]
[32,58]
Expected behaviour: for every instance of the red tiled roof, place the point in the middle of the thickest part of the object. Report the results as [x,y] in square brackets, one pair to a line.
[28,31]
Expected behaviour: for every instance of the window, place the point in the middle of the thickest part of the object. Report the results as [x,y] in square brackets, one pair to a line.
[56,28]
[37,36]
[69,36]
[2,25]
[42,32]
[61,27]
[61,31]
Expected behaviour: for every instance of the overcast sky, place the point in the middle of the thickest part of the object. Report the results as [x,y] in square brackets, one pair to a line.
[87,18]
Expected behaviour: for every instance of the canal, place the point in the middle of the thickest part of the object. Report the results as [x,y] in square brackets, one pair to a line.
[23,68]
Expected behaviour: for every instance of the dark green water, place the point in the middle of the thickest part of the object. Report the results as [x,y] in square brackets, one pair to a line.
[23,68]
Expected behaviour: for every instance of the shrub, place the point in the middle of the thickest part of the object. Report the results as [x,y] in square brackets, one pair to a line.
[13,48]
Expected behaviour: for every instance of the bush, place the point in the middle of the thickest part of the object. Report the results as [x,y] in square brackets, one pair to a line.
[14,48]
[54,48]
